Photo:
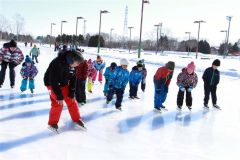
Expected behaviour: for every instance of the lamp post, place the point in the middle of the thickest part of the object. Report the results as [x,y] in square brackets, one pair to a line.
[130,29]
[110,37]
[229,18]
[140,37]
[104,11]
[62,25]
[77,24]
[84,27]
[51,33]
[225,42]
[157,44]
[199,23]
[189,35]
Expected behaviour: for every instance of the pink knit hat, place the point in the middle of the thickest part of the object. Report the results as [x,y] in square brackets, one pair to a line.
[191,66]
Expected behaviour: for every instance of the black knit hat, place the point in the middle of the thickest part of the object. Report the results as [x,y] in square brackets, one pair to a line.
[72,56]
[170,65]
[216,62]
[113,65]
[12,43]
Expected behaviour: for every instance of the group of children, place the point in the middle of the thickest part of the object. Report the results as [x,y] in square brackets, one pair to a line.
[67,76]
[187,80]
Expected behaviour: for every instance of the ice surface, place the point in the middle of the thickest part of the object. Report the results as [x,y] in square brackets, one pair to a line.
[135,133]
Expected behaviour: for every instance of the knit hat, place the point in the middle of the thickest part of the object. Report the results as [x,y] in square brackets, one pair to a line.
[140,62]
[191,66]
[28,59]
[123,61]
[113,65]
[139,65]
[12,43]
[216,62]
[72,56]
[170,65]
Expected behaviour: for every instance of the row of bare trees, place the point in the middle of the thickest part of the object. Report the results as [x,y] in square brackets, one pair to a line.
[13,28]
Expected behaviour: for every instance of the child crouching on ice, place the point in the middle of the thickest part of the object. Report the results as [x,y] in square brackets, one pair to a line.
[28,72]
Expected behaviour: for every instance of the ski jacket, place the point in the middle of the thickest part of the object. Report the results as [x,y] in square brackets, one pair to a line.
[28,71]
[187,80]
[8,56]
[108,73]
[135,76]
[59,74]
[82,70]
[211,76]
[91,69]
[34,51]
[99,65]
[163,76]
[119,78]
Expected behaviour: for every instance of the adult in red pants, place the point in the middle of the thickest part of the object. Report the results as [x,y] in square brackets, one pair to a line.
[60,80]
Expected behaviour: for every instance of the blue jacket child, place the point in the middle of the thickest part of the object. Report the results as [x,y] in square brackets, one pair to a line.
[28,71]
[117,83]
[109,70]
[134,80]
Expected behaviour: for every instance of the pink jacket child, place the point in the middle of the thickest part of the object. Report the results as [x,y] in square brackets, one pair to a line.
[91,73]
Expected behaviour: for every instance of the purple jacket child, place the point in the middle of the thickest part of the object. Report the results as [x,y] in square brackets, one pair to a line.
[28,71]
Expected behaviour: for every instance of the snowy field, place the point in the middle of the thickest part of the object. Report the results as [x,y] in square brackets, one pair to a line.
[135,133]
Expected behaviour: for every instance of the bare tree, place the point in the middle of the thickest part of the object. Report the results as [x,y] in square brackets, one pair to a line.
[18,24]
[3,25]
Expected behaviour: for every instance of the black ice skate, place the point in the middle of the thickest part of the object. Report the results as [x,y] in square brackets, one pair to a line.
[53,128]
[136,97]
[179,108]
[164,108]
[157,110]
[205,106]
[216,106]
[80,124]
[190,108]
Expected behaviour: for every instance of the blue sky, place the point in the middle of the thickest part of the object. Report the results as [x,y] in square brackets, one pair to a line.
[177,16]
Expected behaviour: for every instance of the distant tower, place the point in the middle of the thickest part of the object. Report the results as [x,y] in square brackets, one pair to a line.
[84,28]
[125,29]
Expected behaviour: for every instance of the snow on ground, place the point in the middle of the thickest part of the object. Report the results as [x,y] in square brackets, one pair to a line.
[135,133]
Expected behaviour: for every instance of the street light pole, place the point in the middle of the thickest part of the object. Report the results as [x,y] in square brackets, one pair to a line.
[229,18]
[104,11]
[130,29]
[140,37]
[157,44]
[225,42]
[110,36]
[77,24]
[84,27]
[199,22]
[62,25]
[189,34]
[51,33]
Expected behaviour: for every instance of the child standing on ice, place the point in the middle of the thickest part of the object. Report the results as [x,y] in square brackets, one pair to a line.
[135,78]
[90,74]
[211,78]
[162,79]
[117,83]
[186,81]
[144,75]
[99,65]
[28,72]
[109,70]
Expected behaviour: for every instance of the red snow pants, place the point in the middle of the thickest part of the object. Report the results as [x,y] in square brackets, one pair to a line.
[100,76]
[56,109]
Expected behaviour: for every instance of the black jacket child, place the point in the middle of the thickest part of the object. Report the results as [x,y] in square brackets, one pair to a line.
[211,77]
[55,76]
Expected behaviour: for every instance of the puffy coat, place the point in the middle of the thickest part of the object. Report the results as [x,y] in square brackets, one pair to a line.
[108,72]
[163,76]
[82,70]
[187,80]
[8,56]
[91,69]
[135,76]
[28,72]
[119,78]
[99,65]
[211,77]
[59,74]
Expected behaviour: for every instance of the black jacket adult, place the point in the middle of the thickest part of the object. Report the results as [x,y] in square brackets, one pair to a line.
[211,76]
[60,74]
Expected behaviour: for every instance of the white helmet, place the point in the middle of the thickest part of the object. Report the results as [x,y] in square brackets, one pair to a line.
[123,61]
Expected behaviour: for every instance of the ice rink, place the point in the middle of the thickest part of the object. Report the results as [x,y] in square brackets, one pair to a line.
[133,134]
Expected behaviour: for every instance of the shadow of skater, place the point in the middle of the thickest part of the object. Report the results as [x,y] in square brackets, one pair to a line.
[187,119]
[157,122]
